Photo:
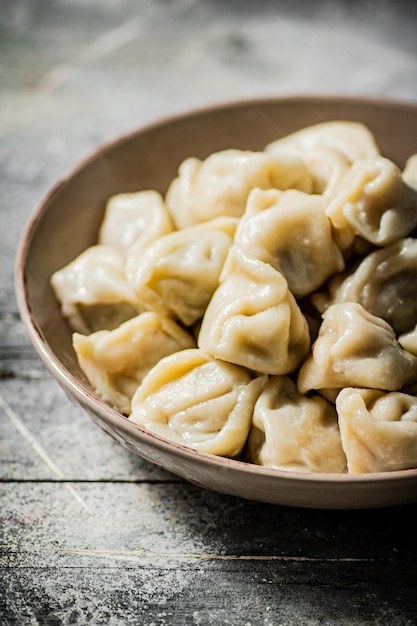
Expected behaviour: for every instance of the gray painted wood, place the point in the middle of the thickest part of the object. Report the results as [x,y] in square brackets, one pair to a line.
[89,533]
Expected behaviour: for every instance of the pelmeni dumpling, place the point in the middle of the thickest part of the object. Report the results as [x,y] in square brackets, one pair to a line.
[253,319]
[290,231]
[220,184]
[408,340]
[352,140]
[177,274]
[410,171]
[383,283]
[197,401]
[356,349]
[115,362]
[134,219]
[293,431]
[373,201]
[327,167]
[378,430]
[94,292]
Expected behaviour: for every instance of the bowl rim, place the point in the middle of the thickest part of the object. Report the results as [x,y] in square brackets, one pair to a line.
[92,402]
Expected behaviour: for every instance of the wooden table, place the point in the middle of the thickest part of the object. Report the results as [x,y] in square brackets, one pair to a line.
[91,534]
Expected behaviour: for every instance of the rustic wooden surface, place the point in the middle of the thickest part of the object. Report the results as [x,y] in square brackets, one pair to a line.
[89,533]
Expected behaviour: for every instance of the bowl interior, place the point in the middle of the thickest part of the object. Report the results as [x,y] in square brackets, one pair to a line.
[67,223]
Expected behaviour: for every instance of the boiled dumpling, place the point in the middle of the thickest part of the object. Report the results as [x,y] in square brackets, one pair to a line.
[94,292]
[115,362]
[383,283]
[327,167]
[374,202]
[221,184]
[408,340]
[253,319]
[177,274]
[378,430]
[134,219]
[352,140]
[356,349]
[289,230]
[197,401]
[410,171]
[293,431]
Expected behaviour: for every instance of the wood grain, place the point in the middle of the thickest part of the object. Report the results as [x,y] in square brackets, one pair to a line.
[89,533]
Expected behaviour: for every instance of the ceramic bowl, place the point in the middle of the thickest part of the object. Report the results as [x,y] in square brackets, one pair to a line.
[67,222]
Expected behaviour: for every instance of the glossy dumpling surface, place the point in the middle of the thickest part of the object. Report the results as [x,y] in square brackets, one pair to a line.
[378,430]
[408,340]
[290,231]
[134,219]
[327,167]
[203,403]
[350,139]
[94,292]
[356,349]
[220,184]
[384,283]
[410,171]
[115,362]
[372,200]
[293,431]
[177,274]
[253,319]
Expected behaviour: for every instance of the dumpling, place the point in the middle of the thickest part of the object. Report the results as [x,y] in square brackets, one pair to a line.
[134,219]
[409,340]
[220,184]
[327,167]
[115,362]
[352,140]
[295,432]
[383,283]
[94,292]
[373,201]
[199,402]
[356,349]
[378,430]
[177,274]
[290,231]
[410,171]
[253,319]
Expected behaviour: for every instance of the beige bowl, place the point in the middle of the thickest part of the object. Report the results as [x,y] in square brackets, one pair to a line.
[67,222]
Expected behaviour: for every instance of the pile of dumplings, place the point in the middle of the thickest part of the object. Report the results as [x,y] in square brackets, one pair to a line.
[264,308]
